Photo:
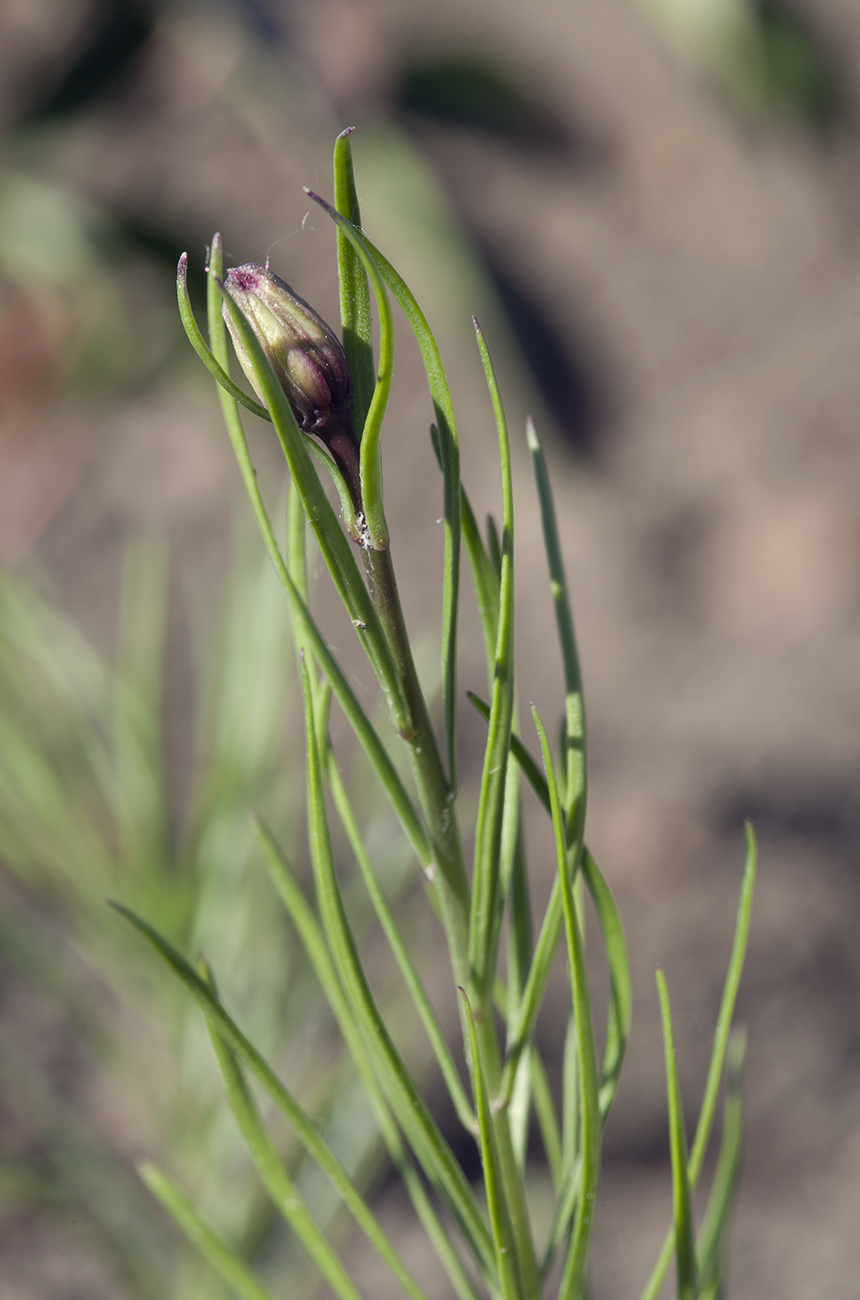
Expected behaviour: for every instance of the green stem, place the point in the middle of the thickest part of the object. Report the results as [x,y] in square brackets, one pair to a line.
[443,832]
[434,793]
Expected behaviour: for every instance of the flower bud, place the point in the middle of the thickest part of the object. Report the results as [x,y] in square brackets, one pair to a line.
[304,352]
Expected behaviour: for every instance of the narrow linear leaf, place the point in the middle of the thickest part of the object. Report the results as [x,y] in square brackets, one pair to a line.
[358,719]
[518,896]
[565,1207]
[727,1008]
[483,920]
[519,1113]
[226,1263]
[485,580]
[354,292]
[570,1096]
[727,1173]
[303,1126]
[528,765]
[449,456]
[718,1052]
[620,1010]
[421,1130]
[575,740]
[546,1117]
[399,949]
[347,509]
[197,341]
[532,997]
[619,1017]
[371,466]
[574,1269]
[334,546]
[494,549]
[503,1236]
[271,1169]
[313,940]
[685,1240]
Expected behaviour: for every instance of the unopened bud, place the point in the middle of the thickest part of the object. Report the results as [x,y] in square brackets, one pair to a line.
[304,352]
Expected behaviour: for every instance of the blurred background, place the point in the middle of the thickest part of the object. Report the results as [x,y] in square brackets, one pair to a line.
[653,206]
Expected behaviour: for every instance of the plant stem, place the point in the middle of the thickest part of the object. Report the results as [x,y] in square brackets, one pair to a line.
[434,793]
[437,803]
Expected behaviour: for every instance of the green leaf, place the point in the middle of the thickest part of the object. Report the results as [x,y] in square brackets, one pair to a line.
[515,890]
[574,1268]
[449,456]
[718,1052]
[358,719]
[503,1236]
[347,509]
[197,341]
[569,1098]
[726,1175]
[311,935]
[575,742]
[371,467]
[354,292]
[421,1130]
[484,917]
[302,1125]
[334,546]
[621,992]
[528,766]
[226,1263]
[685,1241]
[272,1170]
[399,948]
[485,580]
[530,1003]
[618,1027]
[546,1117]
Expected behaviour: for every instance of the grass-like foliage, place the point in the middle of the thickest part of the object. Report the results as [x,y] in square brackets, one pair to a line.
[485,1235]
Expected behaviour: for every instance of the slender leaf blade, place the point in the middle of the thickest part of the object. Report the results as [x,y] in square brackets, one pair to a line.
[620,1010]
[574,1268]
[302,1125]
[483,920]
[371,468]
[358,719]
[449,457]
[575,738]
[354,291]
[315,945]
[215,367]
[421,1130]
[399,948]
[225,1261]
[685,1239]
[727,1173]
[503,1235]
[718,1052]
[272,1170]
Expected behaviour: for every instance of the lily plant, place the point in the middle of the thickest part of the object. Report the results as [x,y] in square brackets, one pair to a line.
[325,394]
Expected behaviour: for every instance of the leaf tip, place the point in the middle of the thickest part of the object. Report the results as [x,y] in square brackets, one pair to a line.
[531,434]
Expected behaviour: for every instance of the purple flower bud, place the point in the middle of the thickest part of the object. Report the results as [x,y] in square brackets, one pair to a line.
[304,352]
